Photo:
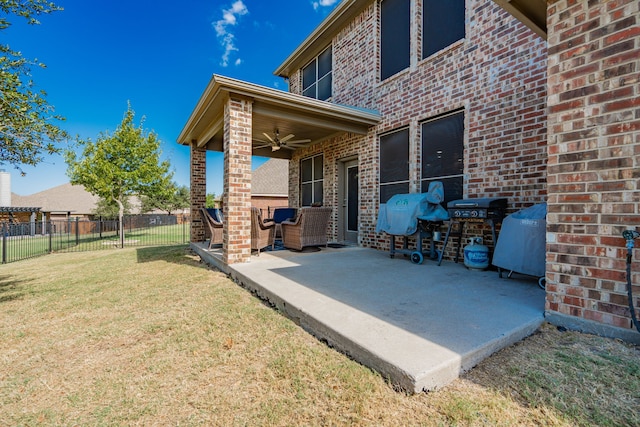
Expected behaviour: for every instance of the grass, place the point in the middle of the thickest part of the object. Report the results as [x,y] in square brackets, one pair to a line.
[23,247]
[149,336]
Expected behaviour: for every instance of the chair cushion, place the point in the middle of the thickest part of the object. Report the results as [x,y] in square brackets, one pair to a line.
[283,214]
[215,214]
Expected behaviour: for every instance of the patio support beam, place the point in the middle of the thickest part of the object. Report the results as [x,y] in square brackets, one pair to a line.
[238,119]
[198,190]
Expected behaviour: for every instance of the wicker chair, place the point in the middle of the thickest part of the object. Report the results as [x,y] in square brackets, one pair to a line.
[261,231]
[308,229]
[215,228]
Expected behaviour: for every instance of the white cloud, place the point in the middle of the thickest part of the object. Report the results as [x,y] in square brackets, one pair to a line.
[323,3]
[223,30]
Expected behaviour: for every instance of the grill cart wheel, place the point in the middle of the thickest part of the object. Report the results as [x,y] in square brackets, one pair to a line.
[542,282]
[416,257]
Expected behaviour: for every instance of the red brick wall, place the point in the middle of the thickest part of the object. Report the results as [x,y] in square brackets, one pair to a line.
[497,74]
[594,157]
[236,247]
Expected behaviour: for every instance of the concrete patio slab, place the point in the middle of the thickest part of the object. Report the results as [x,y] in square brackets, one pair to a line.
[420,326]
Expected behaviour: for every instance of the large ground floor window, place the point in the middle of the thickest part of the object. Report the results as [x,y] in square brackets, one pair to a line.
[311,181]
[443,154]
[394,164]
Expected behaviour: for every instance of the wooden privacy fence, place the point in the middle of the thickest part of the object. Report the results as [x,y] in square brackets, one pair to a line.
[31,239]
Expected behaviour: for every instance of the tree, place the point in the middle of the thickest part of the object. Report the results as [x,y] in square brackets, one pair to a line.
[109,209]
[27,129]
[172,198]
[211,200]
[118,166]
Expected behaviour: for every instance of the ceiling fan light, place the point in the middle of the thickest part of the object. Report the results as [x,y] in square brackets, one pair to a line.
[275,147]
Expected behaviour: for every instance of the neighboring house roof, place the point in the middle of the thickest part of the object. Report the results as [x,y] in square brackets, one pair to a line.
[66,198]
[271,178]
[63,198]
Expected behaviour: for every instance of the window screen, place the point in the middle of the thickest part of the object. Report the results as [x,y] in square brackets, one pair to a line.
[442,24]
[395,36]
[443,154]
[394,164]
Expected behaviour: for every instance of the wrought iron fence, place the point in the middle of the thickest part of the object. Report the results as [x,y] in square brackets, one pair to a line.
[27,240]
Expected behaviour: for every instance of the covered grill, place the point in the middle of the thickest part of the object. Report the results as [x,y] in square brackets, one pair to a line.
[481,209]
[487,210]
[521,247]
[413,214]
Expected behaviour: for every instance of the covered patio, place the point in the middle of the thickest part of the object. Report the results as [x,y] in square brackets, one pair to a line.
[420,326]
[243,120]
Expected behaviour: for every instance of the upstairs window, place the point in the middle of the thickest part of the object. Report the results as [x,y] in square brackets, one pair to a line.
[442,24]
[316,76]
[311,181]
[395,36]
[443,154]
[394,164]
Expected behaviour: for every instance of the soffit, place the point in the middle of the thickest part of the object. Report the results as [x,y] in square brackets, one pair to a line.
[532,13]
[322,36]
[272,109]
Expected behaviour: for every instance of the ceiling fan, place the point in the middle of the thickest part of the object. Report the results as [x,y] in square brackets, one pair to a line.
[276,143]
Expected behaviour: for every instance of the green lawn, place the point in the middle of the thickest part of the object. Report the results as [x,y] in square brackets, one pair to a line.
[23,247]
[150,336]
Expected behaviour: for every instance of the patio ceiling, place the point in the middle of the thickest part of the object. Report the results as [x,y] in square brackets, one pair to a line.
[288,113]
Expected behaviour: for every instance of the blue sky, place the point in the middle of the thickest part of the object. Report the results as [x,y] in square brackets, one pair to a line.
[157,54]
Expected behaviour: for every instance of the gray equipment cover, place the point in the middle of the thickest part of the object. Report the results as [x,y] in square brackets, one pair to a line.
[435,196]
[399,216]
[521,245]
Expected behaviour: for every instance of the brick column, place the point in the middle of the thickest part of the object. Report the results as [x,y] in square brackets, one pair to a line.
[237,180]
[198,190]
[594,162]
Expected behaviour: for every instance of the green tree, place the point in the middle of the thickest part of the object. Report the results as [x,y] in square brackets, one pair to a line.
[27,123]
[211,200]
[119,166]
[170,199]
[109,209]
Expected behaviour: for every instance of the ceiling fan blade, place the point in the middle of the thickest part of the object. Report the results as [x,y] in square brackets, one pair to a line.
[288,147]
[286,138]
[257,147]
[268,137]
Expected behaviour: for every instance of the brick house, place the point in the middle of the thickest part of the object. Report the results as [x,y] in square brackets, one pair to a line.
[392,94]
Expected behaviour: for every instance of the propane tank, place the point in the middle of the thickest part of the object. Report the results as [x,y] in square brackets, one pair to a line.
[476,255]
